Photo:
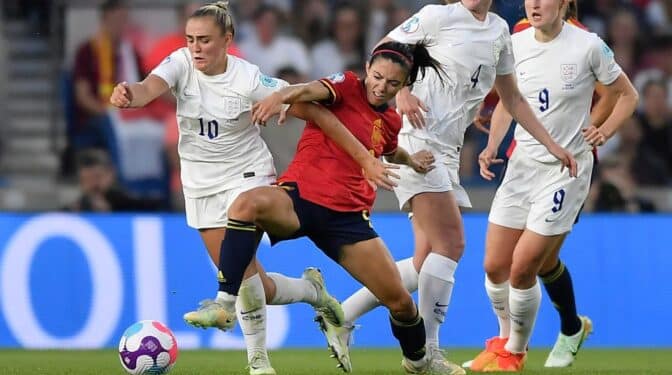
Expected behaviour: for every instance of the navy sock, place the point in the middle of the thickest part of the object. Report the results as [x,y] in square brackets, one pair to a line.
[558,284]
[237,251]
[411,336]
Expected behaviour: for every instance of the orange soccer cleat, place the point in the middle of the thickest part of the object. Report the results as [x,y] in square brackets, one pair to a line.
[492,346]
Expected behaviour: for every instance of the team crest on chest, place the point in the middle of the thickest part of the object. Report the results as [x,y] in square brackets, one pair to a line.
[568,72]
[233,105]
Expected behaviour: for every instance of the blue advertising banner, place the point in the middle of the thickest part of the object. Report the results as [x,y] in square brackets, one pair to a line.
[72,281]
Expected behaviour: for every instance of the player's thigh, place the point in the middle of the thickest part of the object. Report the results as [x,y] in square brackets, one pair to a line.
[439,217]
[500,243]
[510,207]
[370,263]
[559,199]
[270,207]
[531,251]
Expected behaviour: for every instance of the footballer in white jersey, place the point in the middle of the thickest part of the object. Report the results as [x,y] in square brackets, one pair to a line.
[472,53]
[558,79]
[219,147]
[557,65]
[561,92]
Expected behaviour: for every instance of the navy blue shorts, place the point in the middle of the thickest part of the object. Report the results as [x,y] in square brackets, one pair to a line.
[330,230]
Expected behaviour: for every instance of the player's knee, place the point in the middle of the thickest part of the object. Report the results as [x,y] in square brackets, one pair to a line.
[522,276]
[402,306]
[248,206]
[496,269]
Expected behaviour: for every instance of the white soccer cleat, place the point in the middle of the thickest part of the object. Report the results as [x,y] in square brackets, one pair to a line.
[216,314]
[326,306]
[338,339]
[260,365]
[438,364]
[467,364]
[565,348]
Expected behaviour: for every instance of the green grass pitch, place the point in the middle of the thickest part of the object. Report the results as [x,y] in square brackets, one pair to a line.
[317,362]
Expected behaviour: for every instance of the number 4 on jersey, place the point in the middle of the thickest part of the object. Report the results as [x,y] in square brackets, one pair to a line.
[474,77]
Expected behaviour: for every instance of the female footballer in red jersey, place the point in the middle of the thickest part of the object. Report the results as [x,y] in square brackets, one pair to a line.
[324,195]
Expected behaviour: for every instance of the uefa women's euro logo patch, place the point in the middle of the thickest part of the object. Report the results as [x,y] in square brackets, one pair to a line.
[411,25]
[268,81]
[336,78]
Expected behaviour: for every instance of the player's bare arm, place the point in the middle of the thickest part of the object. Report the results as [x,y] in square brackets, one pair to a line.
[626,99]
[273,104]
[514,102]
[499,126]
[421,162]
[138,94]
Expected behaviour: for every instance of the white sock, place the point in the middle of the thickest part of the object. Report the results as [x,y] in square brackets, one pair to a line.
[291,290]
[524,306]
[363,301]
[226,297]
[435,285]
[251,312]
[499,298]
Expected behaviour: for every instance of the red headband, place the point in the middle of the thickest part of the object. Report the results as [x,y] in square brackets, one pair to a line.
[403,57]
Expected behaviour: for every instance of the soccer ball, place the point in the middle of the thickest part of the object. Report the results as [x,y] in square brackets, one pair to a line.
[147,347]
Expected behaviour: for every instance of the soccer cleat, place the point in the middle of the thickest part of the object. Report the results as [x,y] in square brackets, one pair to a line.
[338,339]
[211,313]
[326,306]
[440,365]
[565,348]
[504,361]
[260,365]
[420,367]
[492,346]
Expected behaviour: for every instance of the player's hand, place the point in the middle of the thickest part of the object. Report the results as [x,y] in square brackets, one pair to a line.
[566,158]
[594,136]
[410,106]
[482,119]
[263,110]
[121,96]
[422,161]
[487,158]
[380,174]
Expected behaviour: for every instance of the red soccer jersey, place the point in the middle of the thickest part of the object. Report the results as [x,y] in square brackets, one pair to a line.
[327,175]
[525,24]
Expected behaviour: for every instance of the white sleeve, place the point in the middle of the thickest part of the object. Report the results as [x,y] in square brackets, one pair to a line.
[422,26]
[506,62]
[263,85]
[172,68]
[602,62]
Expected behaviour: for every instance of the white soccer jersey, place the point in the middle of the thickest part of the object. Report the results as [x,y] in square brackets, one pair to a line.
[472,53]
[558,78]
[219,146]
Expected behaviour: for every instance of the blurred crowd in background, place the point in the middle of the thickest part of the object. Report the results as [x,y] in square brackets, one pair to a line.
[108,160]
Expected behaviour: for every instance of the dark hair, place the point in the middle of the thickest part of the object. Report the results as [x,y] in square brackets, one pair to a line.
[414,57]
[110,5]
[572,10]
[220,11]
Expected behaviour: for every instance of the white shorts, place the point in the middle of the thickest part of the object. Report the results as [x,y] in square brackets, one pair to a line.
[539,197]
[444,177]
[210,211]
